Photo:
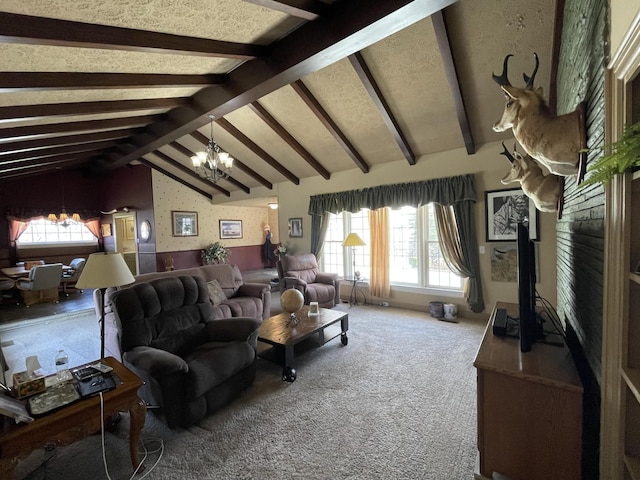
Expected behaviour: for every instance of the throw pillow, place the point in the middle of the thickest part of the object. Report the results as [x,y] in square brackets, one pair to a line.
[216,295]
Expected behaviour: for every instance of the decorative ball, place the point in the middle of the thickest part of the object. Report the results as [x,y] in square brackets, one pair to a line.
[291,300]
[357,273]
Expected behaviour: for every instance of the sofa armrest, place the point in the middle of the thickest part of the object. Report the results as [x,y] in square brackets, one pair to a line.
[156,362]
[294,282]
[328,278]
[231,329]
[252,290]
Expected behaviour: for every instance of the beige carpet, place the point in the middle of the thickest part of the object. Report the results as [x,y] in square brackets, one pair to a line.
[398,402]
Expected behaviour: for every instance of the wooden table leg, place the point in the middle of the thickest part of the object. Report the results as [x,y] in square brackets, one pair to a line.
[138,413]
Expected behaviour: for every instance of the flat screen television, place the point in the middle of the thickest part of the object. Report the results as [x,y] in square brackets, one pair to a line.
[530,328]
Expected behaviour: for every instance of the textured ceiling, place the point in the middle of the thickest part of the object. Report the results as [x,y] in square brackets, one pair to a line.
[409,63]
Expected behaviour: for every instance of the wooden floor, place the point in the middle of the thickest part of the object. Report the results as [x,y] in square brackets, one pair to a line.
[78,301]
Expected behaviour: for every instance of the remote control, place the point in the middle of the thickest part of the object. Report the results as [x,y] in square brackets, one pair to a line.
[102,367]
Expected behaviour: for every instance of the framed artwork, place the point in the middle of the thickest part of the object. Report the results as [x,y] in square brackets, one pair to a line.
[295,227]
[185,224]
[106,229]
[230,229]
[504,210]
[504,262]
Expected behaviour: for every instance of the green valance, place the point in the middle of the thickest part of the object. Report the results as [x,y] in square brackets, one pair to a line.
[445,191]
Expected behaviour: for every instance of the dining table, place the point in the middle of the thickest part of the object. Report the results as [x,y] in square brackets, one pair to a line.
[21,272]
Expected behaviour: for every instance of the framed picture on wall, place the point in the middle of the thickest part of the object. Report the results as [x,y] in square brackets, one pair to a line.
[185,224]
[295,227]
[106,229]
[504,210]
[230,229]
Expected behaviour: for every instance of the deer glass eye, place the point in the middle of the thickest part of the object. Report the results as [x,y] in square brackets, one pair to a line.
[509,103]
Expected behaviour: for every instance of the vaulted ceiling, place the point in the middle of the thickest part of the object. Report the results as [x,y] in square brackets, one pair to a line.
[297,88]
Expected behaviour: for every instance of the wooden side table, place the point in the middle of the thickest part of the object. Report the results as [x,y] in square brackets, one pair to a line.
[77,421]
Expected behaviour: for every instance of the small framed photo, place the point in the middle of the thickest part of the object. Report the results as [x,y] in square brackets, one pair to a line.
[230,229]
[106,229]
[314,309]
[504,210]
[295,227]
[185,224]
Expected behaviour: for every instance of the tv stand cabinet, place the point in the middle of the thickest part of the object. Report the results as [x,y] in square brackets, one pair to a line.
[529,408]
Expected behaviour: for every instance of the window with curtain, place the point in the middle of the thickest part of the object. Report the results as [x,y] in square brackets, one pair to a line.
[415,256]
[42,232]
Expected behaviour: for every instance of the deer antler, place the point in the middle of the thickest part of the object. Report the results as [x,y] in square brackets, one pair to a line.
[503,80]
[528,79]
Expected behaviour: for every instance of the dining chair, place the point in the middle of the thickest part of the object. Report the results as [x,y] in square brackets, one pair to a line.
[41,284]
[7,289]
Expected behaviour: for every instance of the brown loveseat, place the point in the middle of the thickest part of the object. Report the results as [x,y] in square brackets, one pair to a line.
[251,300]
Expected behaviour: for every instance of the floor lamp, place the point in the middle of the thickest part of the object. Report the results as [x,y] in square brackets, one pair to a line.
[353,240]
[104,270]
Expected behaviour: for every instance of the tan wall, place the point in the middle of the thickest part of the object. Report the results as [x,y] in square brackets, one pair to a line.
[487,165]
[623,13]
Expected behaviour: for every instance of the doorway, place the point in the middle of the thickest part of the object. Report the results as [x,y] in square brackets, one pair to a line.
[125,239]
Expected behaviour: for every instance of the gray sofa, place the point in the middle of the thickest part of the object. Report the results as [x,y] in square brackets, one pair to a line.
[251,300]
[191,362]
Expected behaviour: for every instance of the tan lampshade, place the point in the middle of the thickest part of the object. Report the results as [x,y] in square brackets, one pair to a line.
[353,240]
[104,270]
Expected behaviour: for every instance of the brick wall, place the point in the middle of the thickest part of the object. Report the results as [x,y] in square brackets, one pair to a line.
[580,232]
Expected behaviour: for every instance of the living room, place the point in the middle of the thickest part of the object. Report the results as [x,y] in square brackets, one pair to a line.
[572,247]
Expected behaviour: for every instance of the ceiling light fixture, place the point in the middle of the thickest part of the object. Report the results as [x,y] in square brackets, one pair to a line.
[212,164]
[63,218]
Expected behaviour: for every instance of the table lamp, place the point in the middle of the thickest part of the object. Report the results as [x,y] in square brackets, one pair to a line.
[353,240]
[104,270]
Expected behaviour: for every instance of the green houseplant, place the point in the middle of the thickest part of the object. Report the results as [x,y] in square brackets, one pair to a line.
[214,253]
[618,157]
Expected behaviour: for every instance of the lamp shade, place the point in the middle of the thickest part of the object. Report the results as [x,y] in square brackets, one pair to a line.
[105,270]
[353,240]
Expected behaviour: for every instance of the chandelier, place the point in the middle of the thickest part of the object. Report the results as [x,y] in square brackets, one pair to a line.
[63,218]
[212,164]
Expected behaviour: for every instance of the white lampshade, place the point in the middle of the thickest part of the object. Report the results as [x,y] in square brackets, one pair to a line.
[353,240]
[104,270]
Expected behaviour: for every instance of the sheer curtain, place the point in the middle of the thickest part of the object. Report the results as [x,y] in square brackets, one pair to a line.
[458,192]
[379,284]
[456,256]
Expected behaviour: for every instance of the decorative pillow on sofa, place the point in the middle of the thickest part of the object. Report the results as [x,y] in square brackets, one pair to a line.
[216,295]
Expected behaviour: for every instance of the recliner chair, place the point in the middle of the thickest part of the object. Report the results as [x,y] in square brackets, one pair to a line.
[302,273]
[71,276]
[42,284]
[191,363]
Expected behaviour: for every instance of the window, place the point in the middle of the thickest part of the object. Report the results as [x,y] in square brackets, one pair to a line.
[415,256]
[42,232]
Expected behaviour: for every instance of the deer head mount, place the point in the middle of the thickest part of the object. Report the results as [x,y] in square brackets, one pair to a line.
[545,191]
[553,141]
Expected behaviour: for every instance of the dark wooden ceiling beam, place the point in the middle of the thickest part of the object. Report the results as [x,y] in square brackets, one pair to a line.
[237,163]
[152,165]
[26,29]
[267,118]
[372,88]
[12,133]
[305,9]
[322,115]
[34,144]
[39,168]
[452,77]
[54,160]
[21,112]
[189,153]
[255,148]
[46,152]
[347,28]
[37,81]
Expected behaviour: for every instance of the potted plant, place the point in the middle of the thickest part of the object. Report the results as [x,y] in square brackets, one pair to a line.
[214,253]
[281,251]
[618,157]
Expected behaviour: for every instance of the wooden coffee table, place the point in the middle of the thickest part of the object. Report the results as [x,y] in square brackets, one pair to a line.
[76,421]
[287,337]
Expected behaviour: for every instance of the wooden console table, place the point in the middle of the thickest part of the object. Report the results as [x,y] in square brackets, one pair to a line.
[76,421]
[529,408]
